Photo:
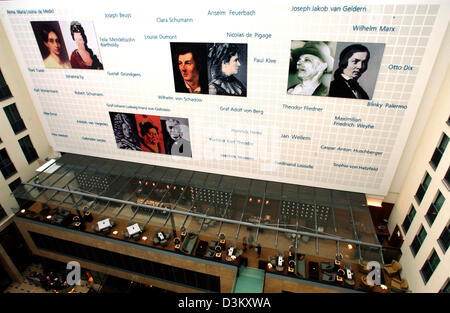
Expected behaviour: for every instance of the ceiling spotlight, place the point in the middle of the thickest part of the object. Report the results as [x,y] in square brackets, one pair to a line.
[115,232]
[144,238]
[267,201]
[349,246]
[49,217]
[259,200]
[22,211]
[250,200]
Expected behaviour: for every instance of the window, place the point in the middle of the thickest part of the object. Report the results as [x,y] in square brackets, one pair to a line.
[439,151]
[408,219]
[423,188]
[446,179]
[16,183]
[430,266]
[418,240]
[8,169]
[14,118]
[28,149]
[435,208]
[446,287]
[444,238]
[2,213]
[4,89]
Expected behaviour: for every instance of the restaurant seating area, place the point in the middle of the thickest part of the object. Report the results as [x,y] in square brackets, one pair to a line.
[289,230]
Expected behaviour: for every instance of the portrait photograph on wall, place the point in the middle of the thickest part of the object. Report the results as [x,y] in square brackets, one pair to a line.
[82,45]
[51,44]
[189,65]
[310,67]
[125,131]
[68,45]
[176,136]
[149,133]
[210,68]
[356,68]
[227,69]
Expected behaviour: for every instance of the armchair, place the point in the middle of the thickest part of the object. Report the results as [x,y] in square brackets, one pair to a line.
[398,285]
[393,268]
[362,267]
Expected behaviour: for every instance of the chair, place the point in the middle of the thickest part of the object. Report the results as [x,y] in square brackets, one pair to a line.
[362,267]
[398,285]
[327,266]
[328,277]
[393,268]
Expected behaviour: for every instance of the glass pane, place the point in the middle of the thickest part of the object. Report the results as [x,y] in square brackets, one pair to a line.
[439,201]
[444,143]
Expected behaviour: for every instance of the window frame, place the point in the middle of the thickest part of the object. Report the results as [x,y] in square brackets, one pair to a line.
[15,119]
[434,208]
[423,188]
[34,155]
[12,173]
[428,265]
[409,218]
[441,242]
[417,242]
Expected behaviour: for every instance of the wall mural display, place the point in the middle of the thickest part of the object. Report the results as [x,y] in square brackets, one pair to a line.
[56,45]
[343,69]
[166,135]
[319,93]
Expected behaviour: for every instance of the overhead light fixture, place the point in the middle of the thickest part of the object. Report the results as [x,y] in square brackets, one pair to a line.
[144,238]
[374,201]
[349,246]
[115,232]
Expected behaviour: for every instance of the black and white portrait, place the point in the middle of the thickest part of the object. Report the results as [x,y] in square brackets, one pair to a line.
[125,131]
[356,70]
[310,68]
[176,136]
[227,65]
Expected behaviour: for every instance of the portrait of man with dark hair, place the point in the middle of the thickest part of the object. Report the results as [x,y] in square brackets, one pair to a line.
[310,69]
[125,131]
[82,57]
[357,70]
[51,44]
[225,62]
[189,67]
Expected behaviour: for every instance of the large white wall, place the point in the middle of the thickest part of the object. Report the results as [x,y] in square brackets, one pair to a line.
[428,140]
[22,99]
